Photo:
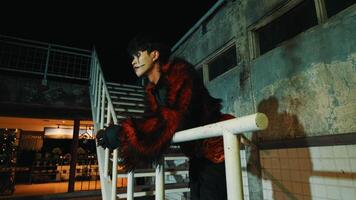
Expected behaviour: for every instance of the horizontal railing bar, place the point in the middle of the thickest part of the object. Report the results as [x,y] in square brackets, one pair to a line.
[151,193]
[235,126]
[44,43]
[152,173]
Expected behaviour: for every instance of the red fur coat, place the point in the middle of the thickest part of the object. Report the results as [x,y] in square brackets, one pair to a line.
[187,105]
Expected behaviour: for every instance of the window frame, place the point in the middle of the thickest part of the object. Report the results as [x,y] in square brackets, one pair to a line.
[204,64]
[253,39]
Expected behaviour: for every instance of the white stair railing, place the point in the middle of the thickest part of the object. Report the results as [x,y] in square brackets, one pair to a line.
[231,131]
[100,100]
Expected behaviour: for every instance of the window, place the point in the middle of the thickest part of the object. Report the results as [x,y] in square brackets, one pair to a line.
[335,6]
[222,63]
[298,19]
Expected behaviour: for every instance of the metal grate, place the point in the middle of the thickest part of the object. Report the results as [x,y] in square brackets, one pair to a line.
[43,58]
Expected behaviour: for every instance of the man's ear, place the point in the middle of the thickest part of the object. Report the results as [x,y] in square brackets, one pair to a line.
[155,55]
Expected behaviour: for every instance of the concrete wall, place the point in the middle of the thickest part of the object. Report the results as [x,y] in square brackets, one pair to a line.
[24,95]
[306,86]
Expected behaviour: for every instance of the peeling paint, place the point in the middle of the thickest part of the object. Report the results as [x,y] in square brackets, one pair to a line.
[323,97]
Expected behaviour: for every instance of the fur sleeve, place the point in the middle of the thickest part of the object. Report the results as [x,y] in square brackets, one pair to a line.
[144,140]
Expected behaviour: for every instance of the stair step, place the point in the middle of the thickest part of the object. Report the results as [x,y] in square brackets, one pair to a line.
[131,94]
[123,109]
[124,115]
[128,104]
[148,190]
[127,99]
[123,85]
[129,114]
[123,89]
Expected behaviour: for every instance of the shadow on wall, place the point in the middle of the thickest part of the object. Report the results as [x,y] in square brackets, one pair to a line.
[282,125]
[285,172]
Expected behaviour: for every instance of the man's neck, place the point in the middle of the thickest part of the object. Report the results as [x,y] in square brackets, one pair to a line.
[154,74]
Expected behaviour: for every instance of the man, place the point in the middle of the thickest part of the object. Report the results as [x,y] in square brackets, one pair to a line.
[177,100]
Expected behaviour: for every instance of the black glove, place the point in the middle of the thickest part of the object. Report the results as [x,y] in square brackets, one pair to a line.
[109,137]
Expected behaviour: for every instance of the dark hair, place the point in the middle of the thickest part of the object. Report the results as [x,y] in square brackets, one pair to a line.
[149,42]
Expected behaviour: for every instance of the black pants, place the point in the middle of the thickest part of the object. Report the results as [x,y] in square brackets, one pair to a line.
[207,180]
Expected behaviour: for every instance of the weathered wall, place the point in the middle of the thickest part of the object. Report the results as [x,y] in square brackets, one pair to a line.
[309,82]
[221,29]
[26,96]
[306,86]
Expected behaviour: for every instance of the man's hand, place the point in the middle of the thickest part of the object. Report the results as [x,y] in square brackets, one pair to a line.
[109,137]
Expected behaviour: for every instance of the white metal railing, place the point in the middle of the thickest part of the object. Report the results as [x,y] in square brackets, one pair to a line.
[100,100]
[34,57]
[230,130]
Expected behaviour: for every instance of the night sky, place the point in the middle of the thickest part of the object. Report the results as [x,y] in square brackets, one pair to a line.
[108,26]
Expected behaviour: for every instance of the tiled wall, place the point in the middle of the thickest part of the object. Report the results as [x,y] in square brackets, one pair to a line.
[315,173]
[244,174]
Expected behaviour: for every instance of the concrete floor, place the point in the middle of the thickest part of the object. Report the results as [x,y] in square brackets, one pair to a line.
[58,190]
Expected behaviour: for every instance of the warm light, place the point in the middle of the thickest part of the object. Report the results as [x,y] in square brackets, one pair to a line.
[62,133]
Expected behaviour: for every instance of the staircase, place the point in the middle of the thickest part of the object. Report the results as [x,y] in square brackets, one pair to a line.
[111,103]
[128,100]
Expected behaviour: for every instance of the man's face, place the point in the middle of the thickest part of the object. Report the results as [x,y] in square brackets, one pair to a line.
[142,62]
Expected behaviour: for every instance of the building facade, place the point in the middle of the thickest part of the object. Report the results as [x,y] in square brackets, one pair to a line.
[295,61]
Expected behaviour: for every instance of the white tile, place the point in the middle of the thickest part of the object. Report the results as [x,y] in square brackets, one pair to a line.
[333,192]
[353,165]
[314,152]
[345,182]
[343,165]
[316,180]
[331,181]
[351,151]
[328,164]
[327,152]
[316,164]
[319,191]
[266,184]
[348,193]
[340,151]
[243,163]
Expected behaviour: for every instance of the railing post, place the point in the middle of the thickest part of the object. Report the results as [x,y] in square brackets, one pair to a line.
[114,175]
[159,186]
[233,166]
[44,80]
[130,186]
